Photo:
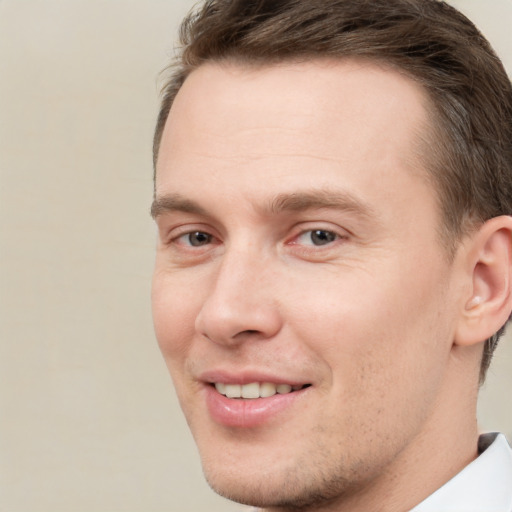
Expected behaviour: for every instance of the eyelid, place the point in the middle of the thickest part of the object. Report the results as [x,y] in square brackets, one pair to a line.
[312,231]
[173,233]
[306,227]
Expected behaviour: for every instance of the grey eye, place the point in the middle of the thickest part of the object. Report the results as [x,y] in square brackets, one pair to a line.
[322,237]
[198,238]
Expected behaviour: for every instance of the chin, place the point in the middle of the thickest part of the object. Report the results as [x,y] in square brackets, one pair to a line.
[297,487]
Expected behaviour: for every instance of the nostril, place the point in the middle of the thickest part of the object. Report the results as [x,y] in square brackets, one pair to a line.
[249,334]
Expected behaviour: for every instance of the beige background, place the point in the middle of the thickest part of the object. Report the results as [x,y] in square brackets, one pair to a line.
[88,419]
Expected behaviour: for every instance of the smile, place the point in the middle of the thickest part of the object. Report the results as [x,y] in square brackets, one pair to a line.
[255,390]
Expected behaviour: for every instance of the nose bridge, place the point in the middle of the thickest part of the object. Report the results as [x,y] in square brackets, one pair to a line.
[241,303]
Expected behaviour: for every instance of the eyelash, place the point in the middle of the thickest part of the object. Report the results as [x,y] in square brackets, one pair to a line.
[329,236]
[192,233]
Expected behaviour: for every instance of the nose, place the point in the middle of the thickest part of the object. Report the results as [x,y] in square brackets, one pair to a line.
[242,303]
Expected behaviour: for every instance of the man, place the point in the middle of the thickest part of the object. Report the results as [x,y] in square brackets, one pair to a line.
[333,194]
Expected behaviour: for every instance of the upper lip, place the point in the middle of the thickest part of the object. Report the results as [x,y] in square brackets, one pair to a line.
[247,377]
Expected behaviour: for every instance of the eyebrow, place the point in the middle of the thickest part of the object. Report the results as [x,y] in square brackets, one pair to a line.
[282,203]
[318,199]
[175,203]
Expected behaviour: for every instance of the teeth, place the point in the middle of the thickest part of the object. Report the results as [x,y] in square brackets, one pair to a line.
[282,389]
[251,390]
[254,389]
[233,390]
[267,389]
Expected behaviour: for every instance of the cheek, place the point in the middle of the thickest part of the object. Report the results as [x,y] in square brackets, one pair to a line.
[174,308]
[384,364]
[174,313]
[375,329]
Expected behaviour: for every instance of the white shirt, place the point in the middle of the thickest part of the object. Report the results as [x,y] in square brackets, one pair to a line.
[485,485]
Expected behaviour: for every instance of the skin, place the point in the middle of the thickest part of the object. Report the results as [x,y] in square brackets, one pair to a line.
[368,319]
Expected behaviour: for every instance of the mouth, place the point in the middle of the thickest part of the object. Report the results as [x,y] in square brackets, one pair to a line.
[245,401]
[255,390]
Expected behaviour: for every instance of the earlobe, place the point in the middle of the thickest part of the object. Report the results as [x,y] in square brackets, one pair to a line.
[488,303]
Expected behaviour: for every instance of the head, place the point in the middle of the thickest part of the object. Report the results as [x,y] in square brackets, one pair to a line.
[468,150]
[333,186]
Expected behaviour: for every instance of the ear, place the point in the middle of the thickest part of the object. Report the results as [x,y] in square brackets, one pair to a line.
[488,301]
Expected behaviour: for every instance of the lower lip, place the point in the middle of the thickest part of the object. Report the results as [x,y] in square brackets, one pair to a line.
[247,413]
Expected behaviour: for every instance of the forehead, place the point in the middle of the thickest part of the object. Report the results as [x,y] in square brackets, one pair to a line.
[294,121]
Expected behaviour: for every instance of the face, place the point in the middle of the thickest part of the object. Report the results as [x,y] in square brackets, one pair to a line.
[301,296]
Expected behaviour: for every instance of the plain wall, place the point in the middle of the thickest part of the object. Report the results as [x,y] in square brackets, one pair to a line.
[88,417]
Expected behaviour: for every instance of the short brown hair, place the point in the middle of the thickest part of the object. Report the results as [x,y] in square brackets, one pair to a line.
[470,156]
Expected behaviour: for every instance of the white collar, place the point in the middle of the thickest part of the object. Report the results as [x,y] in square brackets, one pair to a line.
[485,485]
